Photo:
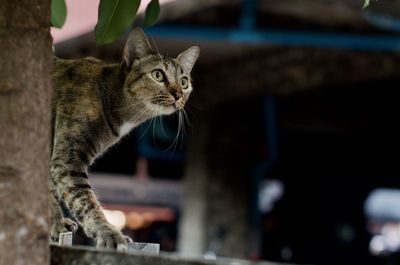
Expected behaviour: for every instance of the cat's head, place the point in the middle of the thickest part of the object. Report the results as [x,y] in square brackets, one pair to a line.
[157,84]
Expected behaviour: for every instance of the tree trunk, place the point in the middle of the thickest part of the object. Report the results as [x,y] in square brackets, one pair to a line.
[25,61]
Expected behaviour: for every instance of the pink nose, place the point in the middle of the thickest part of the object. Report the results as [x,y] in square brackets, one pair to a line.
[175,92]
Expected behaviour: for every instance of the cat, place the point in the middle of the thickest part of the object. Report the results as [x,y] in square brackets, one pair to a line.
[94,105]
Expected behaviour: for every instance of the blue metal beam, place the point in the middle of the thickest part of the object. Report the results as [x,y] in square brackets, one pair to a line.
[354,41]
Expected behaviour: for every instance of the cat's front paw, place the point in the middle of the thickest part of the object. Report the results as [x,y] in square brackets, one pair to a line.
[62,226]
[107,236]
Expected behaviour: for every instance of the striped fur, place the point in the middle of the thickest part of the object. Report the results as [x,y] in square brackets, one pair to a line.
[94,105]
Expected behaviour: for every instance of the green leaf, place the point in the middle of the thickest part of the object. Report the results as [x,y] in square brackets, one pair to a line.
[58,13]
[152,12]
[114,17]
[366,3]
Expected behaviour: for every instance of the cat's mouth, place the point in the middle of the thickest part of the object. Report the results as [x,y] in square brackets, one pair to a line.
[164,106]
[170,108]
[176,105]
[164,103]
[168,102]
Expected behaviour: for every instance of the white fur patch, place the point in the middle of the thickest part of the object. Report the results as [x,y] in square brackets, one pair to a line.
[126,128]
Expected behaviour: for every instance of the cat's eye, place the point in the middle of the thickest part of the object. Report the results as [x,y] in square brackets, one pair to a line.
[184,83]
[158,75]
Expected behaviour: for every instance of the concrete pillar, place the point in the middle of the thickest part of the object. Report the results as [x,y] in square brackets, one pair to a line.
[192,228]
[216,202]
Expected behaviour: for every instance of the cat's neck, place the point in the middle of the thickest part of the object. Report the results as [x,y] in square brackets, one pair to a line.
[111,83]
[118,115]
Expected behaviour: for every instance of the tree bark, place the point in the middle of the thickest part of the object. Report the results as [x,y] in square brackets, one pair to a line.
[25,55]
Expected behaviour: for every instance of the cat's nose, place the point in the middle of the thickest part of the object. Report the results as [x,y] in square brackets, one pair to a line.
[176,94]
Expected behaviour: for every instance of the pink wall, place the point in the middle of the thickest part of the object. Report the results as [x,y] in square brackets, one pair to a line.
[82,17]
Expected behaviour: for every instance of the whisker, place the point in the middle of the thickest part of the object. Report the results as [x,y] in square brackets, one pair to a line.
[148,126]
[160,120]
[186,117]
[183,129]
[137,117]
[132,105]
[154,120]
[162,127]
[156,46]
[182,122]
[158,97]
[193,113]
[175,140]
[179,129]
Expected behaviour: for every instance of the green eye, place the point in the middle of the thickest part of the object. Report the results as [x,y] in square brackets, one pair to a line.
[184,83]
[158,75]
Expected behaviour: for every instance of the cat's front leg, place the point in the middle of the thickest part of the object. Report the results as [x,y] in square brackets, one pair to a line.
[74,190]
[89,213]
[59,224]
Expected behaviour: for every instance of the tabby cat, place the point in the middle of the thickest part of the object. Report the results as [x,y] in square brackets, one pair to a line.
[94,105]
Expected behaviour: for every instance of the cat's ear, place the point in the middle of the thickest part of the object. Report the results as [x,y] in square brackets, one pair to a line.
[137,46]
[187,58]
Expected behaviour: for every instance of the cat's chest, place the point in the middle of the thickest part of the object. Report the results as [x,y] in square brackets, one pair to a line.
[126,128]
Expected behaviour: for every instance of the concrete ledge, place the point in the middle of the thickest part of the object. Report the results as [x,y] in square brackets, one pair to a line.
[89,256]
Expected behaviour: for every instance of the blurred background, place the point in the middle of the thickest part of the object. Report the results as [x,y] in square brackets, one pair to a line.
[290,152]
